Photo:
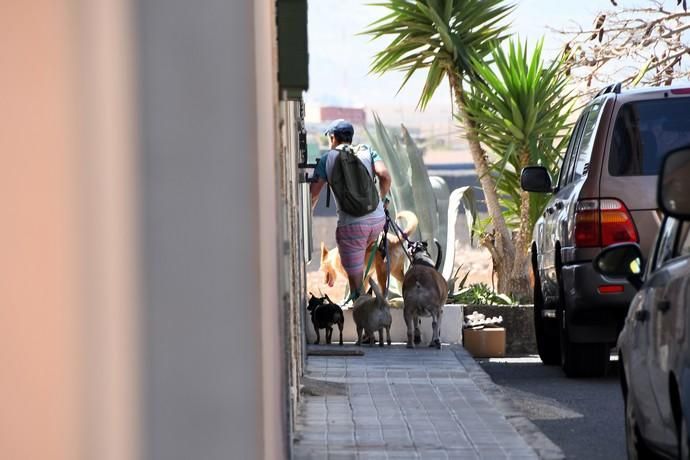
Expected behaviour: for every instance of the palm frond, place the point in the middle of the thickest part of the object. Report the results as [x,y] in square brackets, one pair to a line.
[438,37]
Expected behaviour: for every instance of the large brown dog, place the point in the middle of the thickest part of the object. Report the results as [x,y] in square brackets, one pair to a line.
[331,265]
[425,291]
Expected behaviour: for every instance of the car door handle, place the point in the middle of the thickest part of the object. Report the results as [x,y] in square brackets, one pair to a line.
[642,315]
[663,306]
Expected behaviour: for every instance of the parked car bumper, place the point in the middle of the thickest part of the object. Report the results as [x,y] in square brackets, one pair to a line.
[593,316]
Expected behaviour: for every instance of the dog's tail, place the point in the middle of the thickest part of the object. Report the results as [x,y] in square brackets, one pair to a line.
[411,223]
[439,254]
[377,292]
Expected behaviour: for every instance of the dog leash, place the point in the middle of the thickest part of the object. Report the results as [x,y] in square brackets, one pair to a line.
[371,260]
[399,233]
[383,247]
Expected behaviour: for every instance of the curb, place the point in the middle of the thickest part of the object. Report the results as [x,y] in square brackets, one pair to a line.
[543,446]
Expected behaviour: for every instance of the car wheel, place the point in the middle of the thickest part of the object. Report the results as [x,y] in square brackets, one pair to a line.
[633,441]
[545,329]
[581,359]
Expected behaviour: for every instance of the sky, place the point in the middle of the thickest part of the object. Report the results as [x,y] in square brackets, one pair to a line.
[340,59]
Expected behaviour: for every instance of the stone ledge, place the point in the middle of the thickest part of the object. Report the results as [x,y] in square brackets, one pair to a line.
[451,327]
[518,321]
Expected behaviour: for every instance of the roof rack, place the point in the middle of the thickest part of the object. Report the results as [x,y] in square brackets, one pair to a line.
[612,88]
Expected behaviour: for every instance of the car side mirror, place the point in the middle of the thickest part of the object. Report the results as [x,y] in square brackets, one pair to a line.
[673,191]
[535,179]
[622,260]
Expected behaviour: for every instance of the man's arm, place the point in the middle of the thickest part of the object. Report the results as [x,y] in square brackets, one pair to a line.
[320,176]
[384,178]
[315,190]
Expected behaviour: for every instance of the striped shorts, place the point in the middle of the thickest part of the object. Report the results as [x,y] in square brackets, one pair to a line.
[353,241]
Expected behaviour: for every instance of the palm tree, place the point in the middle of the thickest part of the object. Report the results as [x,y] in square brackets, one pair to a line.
[521,109]
[447,38]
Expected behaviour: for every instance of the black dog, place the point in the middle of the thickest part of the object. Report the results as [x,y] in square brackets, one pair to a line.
[324,314]
[419,252]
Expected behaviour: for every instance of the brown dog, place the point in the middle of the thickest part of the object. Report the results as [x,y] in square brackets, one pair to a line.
[331,265]
[425,291]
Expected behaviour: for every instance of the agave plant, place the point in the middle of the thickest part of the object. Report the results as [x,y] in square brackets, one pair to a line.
[387,144]
[412,189]
[521,107]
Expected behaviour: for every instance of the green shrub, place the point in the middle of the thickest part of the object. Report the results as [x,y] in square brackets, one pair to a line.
[480,294]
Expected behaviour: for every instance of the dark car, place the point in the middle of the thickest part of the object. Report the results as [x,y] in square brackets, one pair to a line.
[604,194]
[654,346]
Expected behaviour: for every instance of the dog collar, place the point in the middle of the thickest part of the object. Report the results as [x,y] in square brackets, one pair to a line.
[423,262]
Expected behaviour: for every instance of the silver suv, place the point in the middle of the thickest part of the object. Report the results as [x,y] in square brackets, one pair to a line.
[604,194]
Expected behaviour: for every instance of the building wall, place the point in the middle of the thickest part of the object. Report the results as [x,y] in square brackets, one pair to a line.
[293,270]
[210,231]
[276,429]
[141,286]
[356,116]
[68,275]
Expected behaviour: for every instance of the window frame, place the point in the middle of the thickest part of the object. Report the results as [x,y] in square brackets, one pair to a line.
[665,245]
[683,240]
[572,149]
[596,110]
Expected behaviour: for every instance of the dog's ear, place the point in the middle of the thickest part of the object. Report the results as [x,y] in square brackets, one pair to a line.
[328,298]
[324,252]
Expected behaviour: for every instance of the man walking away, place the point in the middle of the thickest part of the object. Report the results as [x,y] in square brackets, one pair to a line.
[351,172]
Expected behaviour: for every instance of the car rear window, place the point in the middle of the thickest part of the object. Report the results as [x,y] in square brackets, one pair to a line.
[644,132]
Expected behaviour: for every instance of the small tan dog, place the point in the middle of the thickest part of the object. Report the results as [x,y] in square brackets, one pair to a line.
[331,265]
[425,291]
[371,314]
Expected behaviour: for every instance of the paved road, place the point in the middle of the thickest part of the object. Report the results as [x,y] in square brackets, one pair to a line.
[584,417]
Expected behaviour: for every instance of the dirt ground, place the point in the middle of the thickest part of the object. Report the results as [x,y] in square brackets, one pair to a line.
[475,260]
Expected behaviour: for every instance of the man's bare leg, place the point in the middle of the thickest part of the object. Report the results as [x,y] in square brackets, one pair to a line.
[355,287]
[355,283]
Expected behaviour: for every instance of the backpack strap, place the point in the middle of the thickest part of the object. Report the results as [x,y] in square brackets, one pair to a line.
[373,172]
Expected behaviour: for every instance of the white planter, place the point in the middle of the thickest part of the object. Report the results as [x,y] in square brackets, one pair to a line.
[451,327]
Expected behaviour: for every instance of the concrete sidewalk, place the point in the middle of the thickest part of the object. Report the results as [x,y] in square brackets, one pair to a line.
[397,403]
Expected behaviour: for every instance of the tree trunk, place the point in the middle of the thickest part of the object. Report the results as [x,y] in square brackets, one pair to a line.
[500,244]
[519,287]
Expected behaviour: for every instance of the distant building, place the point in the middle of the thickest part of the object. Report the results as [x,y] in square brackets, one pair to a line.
[355,116]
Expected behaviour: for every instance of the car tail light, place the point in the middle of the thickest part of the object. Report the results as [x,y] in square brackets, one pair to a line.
[680,91]
[602,223]
[617,225]
[611,289]
[587,224]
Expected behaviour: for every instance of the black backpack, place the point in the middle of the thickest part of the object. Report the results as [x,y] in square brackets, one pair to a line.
[352,185]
